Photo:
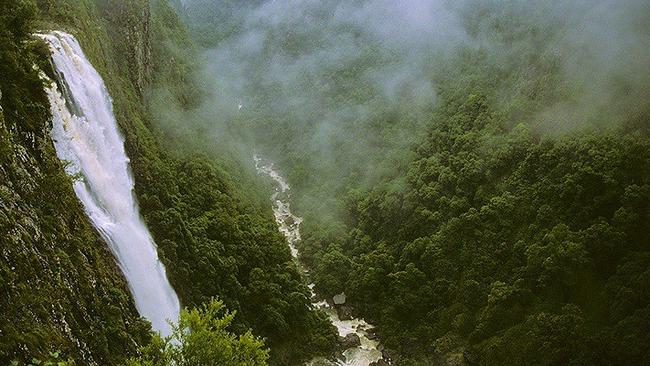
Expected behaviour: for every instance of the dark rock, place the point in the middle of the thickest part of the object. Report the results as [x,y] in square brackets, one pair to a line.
[385,354]
[289,220]
[350,341]
[344,312]
[371,334]
[338,355]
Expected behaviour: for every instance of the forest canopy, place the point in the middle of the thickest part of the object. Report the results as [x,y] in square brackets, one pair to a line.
[473,175]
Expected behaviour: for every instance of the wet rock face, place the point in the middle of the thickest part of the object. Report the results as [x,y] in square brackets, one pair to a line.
[51,258]
[381,362]
[372,335]
[350,341]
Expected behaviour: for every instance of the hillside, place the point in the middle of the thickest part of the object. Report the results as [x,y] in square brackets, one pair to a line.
[214,240]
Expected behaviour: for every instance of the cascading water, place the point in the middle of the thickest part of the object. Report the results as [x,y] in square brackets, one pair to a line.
[86,135]
[289,224]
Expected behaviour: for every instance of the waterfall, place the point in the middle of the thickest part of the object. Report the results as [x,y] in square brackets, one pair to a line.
[86,136]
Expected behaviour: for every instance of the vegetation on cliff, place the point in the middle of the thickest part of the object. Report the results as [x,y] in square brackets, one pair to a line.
[475,176]
[60,289]
[202,337]
[215,240]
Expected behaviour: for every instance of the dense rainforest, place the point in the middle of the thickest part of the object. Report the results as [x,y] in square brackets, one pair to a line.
[473,175]
[476,180]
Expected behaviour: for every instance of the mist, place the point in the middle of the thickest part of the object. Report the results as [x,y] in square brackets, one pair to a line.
[600,49]
[346,88]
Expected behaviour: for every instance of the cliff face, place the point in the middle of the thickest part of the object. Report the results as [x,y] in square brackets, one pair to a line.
[130,23]
[59,283]
[60,288]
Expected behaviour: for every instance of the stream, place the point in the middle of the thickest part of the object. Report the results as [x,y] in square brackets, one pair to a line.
[369,352]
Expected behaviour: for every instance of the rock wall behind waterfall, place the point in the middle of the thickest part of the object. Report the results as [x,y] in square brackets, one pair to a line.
[86,136]
[60,288]
[117,35]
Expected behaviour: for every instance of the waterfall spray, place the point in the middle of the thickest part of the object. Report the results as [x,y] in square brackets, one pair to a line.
[86,135]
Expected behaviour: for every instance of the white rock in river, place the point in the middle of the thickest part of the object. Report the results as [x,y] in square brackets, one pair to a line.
[339,299]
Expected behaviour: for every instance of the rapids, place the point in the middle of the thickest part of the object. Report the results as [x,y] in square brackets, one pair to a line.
[289,224]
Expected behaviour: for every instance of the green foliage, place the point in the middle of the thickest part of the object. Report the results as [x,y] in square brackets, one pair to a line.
[202,337]
[20,84]
[509,249]
[214,238]
[53,359]
[503,221]
[215,244]
[457,226]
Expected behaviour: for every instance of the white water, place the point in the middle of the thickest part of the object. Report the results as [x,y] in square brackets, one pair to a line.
[289,225]
[86,135]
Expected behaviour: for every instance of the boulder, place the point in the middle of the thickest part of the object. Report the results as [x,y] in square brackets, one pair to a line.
[338,355]
[344,312]
[350,341]
[385,354]
[371,334]
[339,299]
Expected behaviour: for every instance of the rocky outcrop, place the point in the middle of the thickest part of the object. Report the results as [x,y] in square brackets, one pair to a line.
[339,299]
[371,334]
[131,21]
[350,341]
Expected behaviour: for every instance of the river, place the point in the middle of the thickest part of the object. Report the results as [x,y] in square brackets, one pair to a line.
[289,225]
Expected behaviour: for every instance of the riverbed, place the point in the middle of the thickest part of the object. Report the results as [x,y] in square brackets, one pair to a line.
[368,352]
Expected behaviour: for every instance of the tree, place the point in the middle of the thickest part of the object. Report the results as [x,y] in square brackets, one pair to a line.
[202,338]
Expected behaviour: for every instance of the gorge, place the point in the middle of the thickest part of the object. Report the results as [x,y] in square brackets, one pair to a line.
[368,351]
[453,183]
